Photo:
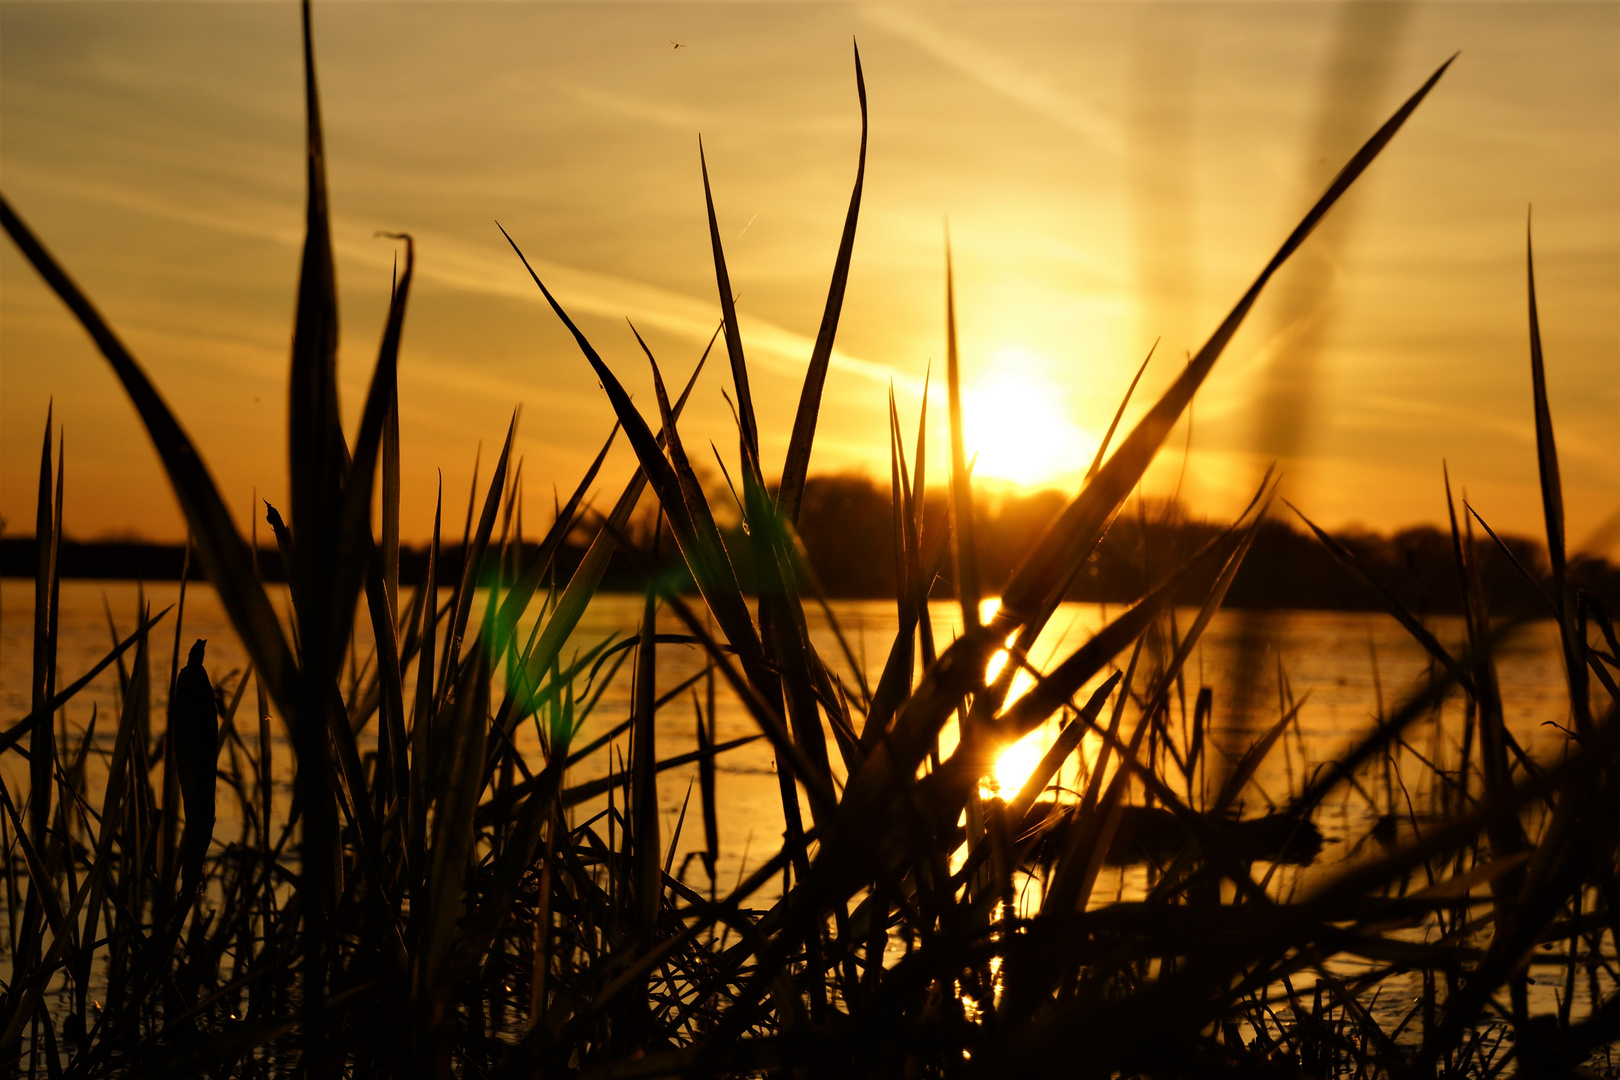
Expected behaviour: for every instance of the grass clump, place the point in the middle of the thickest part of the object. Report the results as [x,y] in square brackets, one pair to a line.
[425,907]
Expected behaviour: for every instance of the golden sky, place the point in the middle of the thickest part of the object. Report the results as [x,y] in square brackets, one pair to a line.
[1112,174]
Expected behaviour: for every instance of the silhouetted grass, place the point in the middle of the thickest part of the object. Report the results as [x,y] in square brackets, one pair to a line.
[428,908]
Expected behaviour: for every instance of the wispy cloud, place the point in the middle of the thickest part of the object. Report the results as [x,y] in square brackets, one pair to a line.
[661,114]
[1001,74]
[458,264]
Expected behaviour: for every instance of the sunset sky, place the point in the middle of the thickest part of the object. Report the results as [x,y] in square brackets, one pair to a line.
[1112,175]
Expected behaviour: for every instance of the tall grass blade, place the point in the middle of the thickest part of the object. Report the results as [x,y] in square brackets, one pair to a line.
[356,549]
[963,543]
[42,744]
[473,555]
[797,464]
[643,839]
[317,456]
[734,350]
[421,735]
[1552,505]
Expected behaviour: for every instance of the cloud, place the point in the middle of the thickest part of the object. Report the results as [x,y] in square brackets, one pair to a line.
[472,268]
[1002,75]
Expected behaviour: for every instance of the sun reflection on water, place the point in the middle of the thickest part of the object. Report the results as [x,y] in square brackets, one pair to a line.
[1014,767]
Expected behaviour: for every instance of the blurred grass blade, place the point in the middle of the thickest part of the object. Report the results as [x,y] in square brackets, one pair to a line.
[706,780]
[595,789]
[797,465]
[1249,763]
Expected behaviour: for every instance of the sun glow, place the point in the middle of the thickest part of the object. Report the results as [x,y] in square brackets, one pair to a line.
[1014,767]
[1014,420]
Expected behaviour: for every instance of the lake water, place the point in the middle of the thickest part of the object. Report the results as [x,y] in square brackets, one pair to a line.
[1343,661]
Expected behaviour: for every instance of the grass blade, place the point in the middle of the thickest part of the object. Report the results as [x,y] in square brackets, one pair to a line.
[734,349]
[518,597]
[1552,505]
[42,744]
[963,544]
[355,546]
[797,465]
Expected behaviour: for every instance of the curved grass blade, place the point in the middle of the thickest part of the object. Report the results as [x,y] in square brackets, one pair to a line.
[588,575]
[703,546]
[220,547]
[710,566]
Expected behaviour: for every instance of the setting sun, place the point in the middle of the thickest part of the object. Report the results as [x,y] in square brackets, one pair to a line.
[1014,766]
[1014,420]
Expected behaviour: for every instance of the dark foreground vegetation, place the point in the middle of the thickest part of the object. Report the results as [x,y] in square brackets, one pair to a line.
[424,905]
